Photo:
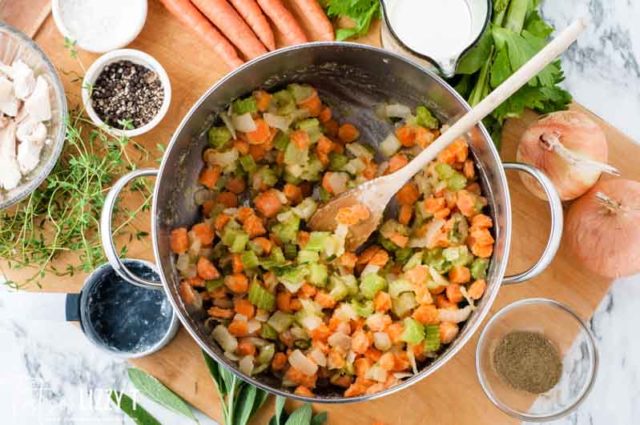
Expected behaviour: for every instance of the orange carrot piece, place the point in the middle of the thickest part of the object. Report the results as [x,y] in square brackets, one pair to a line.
[325,300]
[303,391]
[453,292]
[426,314]
[314,13]
[244,307]
[382,302]
[246,348]
[236,263]
[481,221]
[477,288]
[221,221]
[206,270]
[238,328]
[396,162]
[284,21]
[466,203]
[254,226]
[268,203]
[228,199]
[204,232]
[283,301]
[459,274]
[348,133]
[192,18]
[209,176]
[236,185]
[179,240]
[331,127]
[312,104]
[241,146]
[448,332]
[408,194]
[237,283]
[220,313]
[293,193]
[279,361]
[265,244]
[406,135]
[263,98]
[405,214]
[325,114]
[224,16]
[348,260]
[300,138]
[253,15]
[260,135]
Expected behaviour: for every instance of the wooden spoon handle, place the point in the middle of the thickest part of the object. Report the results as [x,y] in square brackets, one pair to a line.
[517,80]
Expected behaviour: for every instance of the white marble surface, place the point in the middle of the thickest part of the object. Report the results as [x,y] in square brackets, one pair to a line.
[49,373]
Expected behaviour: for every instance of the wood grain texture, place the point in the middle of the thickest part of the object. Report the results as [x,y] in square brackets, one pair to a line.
[450,396]
[26,15]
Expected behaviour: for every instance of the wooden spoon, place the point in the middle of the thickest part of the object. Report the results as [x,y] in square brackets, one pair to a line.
[376,194]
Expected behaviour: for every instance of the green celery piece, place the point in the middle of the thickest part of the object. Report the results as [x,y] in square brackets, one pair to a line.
[305,256]
[239,242]
[249,260]
[324,195]
[309,124]
[317,241]
[255,248]
[398,287]
[432,338]
[337,288]
[158,392]
[312,170]
[337,161]
[415,260]
[284,102]
[403,255]
[280,321]
[363,308]
[444,171]
[293,155]
[210,285]
[290,251]
[281,141]
[318,274]
[276,258]
[456,182]
[371,284]
[300,92]
[260,297]
[219,137]
[424,118]
[413,331]
[435,259]
[479,268]
[267,332]
[266,175]
[287,231]
[293,277]
[457,256]
[243,106]
[266,353]
[247,163]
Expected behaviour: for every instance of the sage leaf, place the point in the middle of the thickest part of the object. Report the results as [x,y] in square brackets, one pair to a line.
[320,419]
[215,372]
[156,391]
[280,401]
[136,412]
[301,416]
[243,407]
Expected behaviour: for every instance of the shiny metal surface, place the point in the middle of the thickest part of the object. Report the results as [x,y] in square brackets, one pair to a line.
[353,79]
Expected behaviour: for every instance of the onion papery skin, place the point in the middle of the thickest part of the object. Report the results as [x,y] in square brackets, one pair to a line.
[576,132]
[606,240]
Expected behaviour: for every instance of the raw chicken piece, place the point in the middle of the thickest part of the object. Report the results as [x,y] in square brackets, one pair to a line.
[9,169]
[23,80]
[38,105]
[31,131]
[8,101]
[29,155]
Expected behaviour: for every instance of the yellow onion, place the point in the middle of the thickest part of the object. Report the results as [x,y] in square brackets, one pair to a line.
[602,228]
[570,148]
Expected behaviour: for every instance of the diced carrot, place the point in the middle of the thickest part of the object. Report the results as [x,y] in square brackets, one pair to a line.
[476,289]
[399,239]
[260,135]
[254,226]
[355,389]
[238,328]
[301,390]
[348,133]
[258,152]
[220,313]
[396,162]
[481,221]
[300,138]
[268,203]
[293,193]
[353,214]
[426,314]
[244,213]
[196,281]
[379,258]
[295,304]
[263,99]
[204,232]
[221,221]
[279,361]
[395,331]
[312,104]
[217,293]
[208,207]
[302,238]
[447,156]
[466,203]
[401,360]
[283,301]
[244,307]
[236,263]
[370,169]
[206,269]
[348,260]
[406,135]
[448,332]
[423,136]
[323,148]
[362,365]
[265,244]
[442,213]
[382,302]
[187,293]
[179,240]
[461,148]
[343,381]
[373,354]
[209,176]
[331,127]
[459,274]
[469,169]
[325,300]
[241,146]
[482,251]
[443,302]
[454,294]
[405,214]
[299,378]
[480,236]
[321,333]
[325,114]
[408,194]
[387,361]
[246,348]
[236,185]
[432,205]
[280,158]
[417,275]
[228,199]
[307,291]
[359,342]
[237,283]
[474,188]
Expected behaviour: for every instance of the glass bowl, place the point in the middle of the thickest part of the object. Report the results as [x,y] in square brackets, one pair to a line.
[571,337]
[16,45]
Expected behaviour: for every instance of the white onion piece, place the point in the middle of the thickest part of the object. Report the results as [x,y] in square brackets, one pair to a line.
[262,315]
[244,122]
[382,341]
[341,340]
[455,316]
[428,240]
[390,145]
[318,356]
[412,360]
[302,363]
[345,312]
[310,322]
[397,110]
[246,365]
[402,375]
[369,268]
[222,336]
[226,119]
[277,121]
[231,356]
[376,373]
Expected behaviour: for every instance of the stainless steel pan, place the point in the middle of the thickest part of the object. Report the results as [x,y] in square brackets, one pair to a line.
[353,79]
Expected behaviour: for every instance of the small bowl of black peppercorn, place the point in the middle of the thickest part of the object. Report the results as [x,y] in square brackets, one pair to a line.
[127,92]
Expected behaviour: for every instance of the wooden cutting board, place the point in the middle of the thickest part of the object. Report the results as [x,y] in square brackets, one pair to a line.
[450,396]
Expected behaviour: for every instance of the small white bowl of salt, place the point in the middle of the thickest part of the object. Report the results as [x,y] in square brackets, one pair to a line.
[99,26]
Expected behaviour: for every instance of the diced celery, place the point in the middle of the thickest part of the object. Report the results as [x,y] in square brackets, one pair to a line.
[413,331]
[219,137]
[280,321]
[363,308]
[316,241]
[293,277]
[403,305]
[267,332]
[243,106]
[239,242]
[424,118]
[260,297]
[351,282]
[371,284]
[255,248]
[293,155]
[460,229]
[247,163]
[337,161]
[444,171]
[290,251]
[387,244]
[415,260]
[432,338]
[318,274]
[309,124]
[210,285]
[300,92]
[266,175]
[284,102]
[458,255]
[306,208]
[287,231]
[337,288]
[324,195]
[355,167]
[302,344]
[276,258]
[281,141]
[305,256]
[479,268]
[402,255]
[312,169]
[249,260]
[399,286]
[435,259]
[457,181]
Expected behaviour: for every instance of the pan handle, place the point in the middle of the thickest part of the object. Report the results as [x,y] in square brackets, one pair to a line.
[555,209]
[106,233]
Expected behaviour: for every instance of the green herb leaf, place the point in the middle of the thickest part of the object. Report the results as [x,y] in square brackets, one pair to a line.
[361,11]
[156,391]
[473,60]
[278,418]
[132,409]
[215,372]
[302,416]
[244,406]
[320,419]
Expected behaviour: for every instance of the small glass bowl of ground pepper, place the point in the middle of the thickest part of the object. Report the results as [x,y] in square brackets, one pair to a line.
[126,91]
[536,360]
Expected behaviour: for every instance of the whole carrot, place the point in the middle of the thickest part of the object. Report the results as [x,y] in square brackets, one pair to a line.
[225,17]
[314,13]
[252,13]
[284,21]
[191,17]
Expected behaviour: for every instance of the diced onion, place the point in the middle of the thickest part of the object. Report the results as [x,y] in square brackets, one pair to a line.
[226,160]
[438,279]
[227,122]
[223,337]
[390,145]
[310,322]
[244,123]
[376,373]
[428,240]
[182,263]
[338,339]
[281,196]
[318,356]
[262,315]
[302,363]
[402,375]
[412,360]
[351,357]
[359,150]
[368,269]
[253,326]
[246,365]
[345,312]
[397,110]
[231,356]
[240,317]
[455,316]
[203,195]
[277,121]
[382,341]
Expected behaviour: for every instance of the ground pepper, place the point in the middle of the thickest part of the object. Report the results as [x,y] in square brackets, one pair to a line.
[528,361]
[127,94]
